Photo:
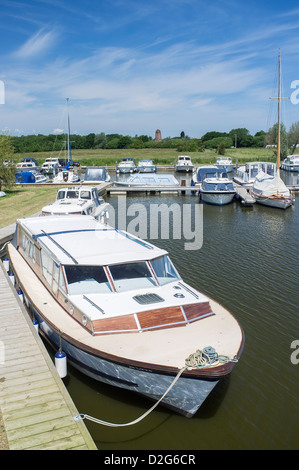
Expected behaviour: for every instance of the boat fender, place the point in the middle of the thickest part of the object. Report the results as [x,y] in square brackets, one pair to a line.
[35,324]
[60,364]
[12,278]
[20,294]
[6,264]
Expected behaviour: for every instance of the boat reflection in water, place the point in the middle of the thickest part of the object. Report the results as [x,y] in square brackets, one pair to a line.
[121,311]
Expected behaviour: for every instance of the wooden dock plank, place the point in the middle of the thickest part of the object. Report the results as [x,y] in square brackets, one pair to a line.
[36,409]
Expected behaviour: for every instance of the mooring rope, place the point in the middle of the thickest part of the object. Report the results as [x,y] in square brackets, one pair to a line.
[115,425]
[199,359]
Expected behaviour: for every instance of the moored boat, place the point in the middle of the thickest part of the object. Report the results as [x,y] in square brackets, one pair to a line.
[146,166]
[217,189]
[184,164]
[64,176]
[246,174]
[127,165]
[225,163]
[121,312]
[77,200]
[290,163]
[159,179]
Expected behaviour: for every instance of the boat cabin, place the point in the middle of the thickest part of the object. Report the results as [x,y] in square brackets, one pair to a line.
[106,279]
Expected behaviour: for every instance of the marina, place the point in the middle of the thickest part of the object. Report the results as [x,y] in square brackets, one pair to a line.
[229,402]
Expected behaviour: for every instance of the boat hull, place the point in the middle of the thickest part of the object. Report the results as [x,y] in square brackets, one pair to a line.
[185,397]
[217,198]
[278,203]
[289,166]
[184,168]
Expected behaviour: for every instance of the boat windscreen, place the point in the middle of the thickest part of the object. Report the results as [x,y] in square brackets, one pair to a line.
[87,280]
[164,270]
[131,276]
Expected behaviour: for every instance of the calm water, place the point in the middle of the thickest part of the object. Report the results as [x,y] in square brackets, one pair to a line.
[249,262]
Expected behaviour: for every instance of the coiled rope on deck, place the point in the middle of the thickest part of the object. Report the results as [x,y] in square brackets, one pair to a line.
[199,359]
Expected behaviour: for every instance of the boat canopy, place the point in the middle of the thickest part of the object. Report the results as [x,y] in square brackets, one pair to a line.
[25,177]
[95,174]
[212,172]
[87,243]
[267,185]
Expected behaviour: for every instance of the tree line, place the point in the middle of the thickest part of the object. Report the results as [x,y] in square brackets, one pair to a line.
[239,137]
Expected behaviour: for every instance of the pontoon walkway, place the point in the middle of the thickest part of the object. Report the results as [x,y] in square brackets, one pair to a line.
[37,411]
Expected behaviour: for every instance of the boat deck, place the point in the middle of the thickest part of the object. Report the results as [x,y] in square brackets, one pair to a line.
[166,347]
[37,411]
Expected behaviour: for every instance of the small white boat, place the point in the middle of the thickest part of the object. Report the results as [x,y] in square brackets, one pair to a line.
[146,166]
[96,174]
[77,200]
[246,174]
[149,180]
[65,176]
[271,191]
[290,163]
[217,189]
[120,311]
[127,165]
[49,165]
[225,163]
[183,164]
[26,166]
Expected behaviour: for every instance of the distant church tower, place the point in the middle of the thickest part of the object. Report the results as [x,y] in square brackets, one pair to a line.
[158,136]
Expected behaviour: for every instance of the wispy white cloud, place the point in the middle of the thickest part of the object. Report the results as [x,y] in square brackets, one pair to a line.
[37,44]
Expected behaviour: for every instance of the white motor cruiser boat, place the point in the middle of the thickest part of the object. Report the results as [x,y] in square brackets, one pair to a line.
[77,200]
[146,166]
[183,164]
[127,165]
[217,189]
[225,163]
[120,311]
[246,174]
[290,163]
[202,172]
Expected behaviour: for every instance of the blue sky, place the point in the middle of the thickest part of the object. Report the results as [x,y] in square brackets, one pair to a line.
[132,66]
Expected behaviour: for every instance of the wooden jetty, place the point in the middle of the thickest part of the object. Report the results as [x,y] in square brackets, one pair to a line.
[37,411]
[242,193]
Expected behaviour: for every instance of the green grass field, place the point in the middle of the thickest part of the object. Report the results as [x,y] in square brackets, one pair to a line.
[104,157]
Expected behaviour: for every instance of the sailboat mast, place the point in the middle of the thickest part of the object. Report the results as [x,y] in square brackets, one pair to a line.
[278,138]
[69,150]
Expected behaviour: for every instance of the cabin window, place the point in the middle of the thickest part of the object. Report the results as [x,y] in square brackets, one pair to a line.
[87,280]
[85,194]
[164,270]
[47,267]
[61,194]
[131,276]
[27,246]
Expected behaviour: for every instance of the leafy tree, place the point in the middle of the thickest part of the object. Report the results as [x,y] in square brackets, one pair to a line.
[272,139]
[212,134]
[7,173]
[100,141]
[294,136]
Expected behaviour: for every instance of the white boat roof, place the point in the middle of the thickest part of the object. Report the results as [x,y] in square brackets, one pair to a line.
[84,240]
